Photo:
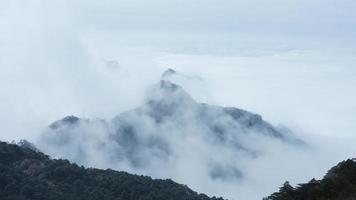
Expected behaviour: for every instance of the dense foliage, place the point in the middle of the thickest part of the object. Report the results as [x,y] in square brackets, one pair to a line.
[26,174]
[338,184]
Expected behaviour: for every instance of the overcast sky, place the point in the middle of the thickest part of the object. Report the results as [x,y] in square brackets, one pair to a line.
[63,57]
[293,62]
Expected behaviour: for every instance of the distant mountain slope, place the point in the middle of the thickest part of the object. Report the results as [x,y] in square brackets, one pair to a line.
[338,184]
[26,174]
[167,134]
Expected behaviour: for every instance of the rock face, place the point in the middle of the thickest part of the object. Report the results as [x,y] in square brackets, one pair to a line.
[168,133]
[28,174]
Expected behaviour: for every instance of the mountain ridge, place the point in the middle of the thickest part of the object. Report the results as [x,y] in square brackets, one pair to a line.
[154,134]
[171,135]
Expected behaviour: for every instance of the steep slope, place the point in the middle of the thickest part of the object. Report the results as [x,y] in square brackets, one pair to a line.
[338,184]
[28,174]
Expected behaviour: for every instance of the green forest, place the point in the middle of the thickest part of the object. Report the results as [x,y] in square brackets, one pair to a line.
[26,174]
[339,183]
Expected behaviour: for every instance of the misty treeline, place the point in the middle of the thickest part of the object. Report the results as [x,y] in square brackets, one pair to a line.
[338,184]
[27,174]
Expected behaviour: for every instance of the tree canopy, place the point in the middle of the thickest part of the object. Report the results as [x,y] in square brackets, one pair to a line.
[26,174]
[339,183]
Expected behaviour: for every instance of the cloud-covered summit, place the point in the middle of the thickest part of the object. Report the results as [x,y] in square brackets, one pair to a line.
[170,135]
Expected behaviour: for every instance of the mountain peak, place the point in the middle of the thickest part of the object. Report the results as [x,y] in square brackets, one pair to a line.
[69,120]
[166,90]
[167,98]
[169,72]
[168,86]
[152,134]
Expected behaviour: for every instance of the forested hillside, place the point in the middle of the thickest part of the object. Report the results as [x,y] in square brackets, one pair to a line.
[338,184]
[26,174]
